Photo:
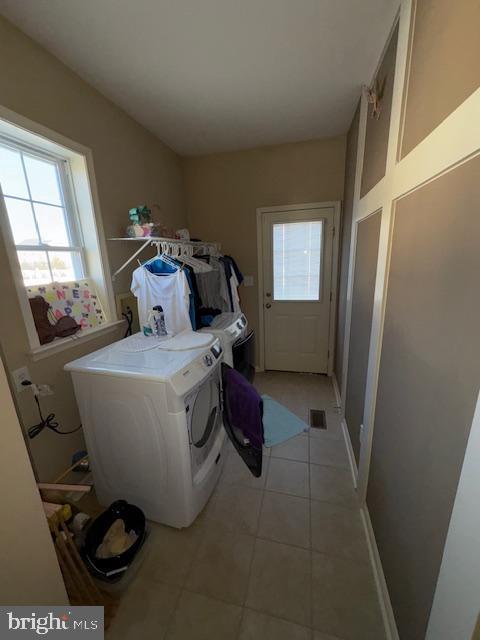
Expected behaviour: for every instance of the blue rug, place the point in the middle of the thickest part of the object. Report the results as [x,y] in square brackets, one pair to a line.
[279,424]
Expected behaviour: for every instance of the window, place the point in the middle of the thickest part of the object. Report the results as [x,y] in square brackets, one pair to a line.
[40,207]
[297,248]
[53,232]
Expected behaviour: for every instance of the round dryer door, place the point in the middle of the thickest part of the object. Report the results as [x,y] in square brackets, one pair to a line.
[205,413]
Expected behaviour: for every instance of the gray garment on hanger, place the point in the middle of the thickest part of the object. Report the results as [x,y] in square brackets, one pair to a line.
[224,290]
[212,286]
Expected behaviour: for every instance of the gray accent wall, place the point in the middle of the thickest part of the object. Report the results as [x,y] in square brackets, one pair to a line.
[345,233]
[443,62]
[428,384]
[366,254]
[376,136]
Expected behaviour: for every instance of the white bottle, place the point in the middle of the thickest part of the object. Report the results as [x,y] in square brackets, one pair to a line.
[158,321]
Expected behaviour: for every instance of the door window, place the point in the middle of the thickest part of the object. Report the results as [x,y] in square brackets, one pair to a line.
[297,259]
[205,414]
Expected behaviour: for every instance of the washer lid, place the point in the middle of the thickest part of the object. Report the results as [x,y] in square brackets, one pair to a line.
[139,342]
[187,340]
[138,357]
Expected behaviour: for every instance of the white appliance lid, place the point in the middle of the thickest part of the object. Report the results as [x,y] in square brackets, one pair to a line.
[225,320]
[187,340]
[125,358]
[140,342]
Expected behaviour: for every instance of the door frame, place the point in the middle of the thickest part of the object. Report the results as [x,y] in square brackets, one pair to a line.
[336,206]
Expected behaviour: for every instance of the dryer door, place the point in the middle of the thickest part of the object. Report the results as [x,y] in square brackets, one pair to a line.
[204,419]
[252,456]
[243,351]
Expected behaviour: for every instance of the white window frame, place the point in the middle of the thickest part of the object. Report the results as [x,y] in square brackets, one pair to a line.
[68,204]
[80,176]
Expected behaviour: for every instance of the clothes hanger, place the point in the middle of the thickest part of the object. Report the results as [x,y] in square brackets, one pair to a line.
[163,256]
[186,256]
[166,258]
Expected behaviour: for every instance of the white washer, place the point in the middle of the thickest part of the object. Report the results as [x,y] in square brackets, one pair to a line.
[228,328]
[152,423]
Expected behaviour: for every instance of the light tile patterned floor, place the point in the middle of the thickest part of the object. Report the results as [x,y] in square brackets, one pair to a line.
[282,557]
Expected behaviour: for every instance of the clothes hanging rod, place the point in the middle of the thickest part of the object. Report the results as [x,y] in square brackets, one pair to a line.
[156,241]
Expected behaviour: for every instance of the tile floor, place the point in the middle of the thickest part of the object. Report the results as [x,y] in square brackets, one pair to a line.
[281,557]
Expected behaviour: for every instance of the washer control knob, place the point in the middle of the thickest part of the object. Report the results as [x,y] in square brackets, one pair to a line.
[208,360]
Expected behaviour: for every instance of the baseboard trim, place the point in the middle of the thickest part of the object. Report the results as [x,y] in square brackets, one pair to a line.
[391,630]
[336,389]
[346,435]
[351,456]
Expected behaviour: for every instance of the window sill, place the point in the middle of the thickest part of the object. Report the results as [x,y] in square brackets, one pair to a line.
[45,350]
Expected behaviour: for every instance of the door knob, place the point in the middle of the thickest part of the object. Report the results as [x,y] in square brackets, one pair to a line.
[268,305]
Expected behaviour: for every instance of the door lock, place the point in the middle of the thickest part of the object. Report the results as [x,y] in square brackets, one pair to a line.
[268,305]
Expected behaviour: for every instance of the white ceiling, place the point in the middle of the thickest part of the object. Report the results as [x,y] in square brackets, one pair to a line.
[218,75]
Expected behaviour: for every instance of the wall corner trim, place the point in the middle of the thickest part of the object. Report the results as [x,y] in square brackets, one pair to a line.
[391,630]
[336,389]
[351,456]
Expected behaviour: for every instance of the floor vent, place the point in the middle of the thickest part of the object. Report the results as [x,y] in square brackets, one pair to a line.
[318,419]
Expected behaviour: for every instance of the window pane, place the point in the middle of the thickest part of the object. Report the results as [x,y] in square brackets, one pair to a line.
[42,180]
[63,266]
[12,177]
[21,221]
[34,265]
[296,260]
[51,224]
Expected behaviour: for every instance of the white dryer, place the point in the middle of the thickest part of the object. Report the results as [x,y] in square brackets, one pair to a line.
[151,415]
[228,327]
[237,343]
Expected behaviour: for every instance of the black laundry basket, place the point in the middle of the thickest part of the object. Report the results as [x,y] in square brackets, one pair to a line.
[112,569]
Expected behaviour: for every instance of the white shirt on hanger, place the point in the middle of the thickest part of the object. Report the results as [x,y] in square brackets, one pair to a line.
[171,291]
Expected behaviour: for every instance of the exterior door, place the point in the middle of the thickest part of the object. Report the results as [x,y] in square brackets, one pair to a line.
[297,255]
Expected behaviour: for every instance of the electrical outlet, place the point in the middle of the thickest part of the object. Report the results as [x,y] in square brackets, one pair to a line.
[19,376]
[361,433]
[45,390]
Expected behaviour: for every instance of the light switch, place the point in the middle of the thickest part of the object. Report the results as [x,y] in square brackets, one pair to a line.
[248,281]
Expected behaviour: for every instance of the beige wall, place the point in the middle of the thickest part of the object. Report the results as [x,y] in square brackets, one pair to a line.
[476,633]
[30,572]
[131,167]
[224,190]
